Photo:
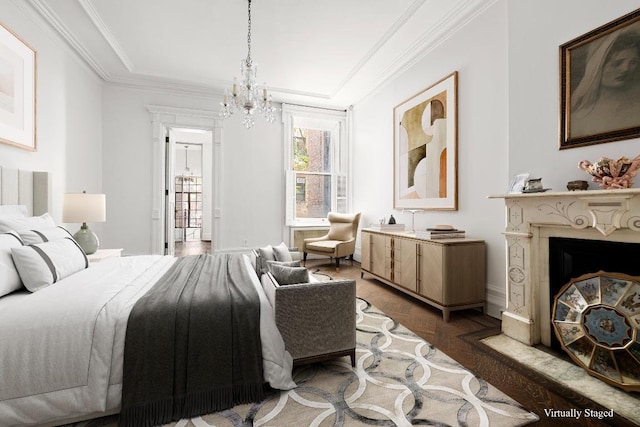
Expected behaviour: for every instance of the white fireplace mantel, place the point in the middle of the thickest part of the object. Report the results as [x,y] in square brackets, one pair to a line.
[611,215]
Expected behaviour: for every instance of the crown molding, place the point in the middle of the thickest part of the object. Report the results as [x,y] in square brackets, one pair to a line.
[54,21]
[108,36]
[451,23]
[411,10]
[164,85]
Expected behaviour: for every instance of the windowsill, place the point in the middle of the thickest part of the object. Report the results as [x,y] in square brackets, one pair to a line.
[310,224]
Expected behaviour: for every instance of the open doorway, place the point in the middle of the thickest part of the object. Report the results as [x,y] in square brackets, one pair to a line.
[168,124]
[189,191]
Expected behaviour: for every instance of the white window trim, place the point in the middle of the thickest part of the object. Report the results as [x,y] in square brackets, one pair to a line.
[318,115]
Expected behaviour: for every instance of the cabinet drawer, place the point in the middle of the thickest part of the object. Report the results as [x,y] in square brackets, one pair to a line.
[405,264]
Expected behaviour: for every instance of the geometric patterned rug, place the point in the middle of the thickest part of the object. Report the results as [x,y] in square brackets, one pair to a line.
[399,380]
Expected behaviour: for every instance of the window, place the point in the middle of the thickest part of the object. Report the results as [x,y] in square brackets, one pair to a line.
[316,164]
[188,207]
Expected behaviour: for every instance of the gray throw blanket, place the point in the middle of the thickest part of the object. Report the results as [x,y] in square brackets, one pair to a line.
[193,343]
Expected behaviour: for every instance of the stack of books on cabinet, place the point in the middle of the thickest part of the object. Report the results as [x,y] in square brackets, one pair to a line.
[440,233]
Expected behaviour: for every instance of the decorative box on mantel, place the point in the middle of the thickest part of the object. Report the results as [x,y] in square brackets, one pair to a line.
[534,218]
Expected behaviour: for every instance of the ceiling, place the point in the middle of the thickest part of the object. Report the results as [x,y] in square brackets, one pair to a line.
[324,52]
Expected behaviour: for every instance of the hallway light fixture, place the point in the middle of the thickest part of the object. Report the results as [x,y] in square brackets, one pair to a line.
[187,171]
[247,96]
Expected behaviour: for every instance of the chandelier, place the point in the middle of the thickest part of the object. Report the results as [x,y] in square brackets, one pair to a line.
[247,96]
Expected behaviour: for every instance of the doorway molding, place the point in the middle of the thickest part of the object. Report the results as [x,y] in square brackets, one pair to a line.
[164,118]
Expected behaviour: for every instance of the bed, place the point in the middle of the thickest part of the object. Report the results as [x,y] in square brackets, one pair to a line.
[62,347]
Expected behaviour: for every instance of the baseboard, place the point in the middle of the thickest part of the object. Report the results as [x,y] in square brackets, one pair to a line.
[495,297]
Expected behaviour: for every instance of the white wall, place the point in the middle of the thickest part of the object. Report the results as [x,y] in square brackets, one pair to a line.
[253,184]
[509,82]
[252,195]
[69,114]
[479,53]
[534,87]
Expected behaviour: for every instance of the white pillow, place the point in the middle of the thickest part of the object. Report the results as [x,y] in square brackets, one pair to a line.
[282,253]
[9,277]
[12,211]
[43,264]
[31,237]
[264,254]
[27,223]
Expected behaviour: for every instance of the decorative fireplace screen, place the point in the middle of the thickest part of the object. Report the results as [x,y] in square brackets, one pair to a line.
[596,318]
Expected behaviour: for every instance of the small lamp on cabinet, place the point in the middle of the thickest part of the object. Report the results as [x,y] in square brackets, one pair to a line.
[84,208]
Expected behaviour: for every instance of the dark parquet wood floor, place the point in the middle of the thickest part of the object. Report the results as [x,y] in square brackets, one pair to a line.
[460,338]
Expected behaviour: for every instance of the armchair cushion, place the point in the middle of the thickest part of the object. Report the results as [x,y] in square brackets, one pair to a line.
[328,246]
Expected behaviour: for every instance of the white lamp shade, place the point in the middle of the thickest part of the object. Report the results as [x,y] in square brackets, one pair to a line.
[83,207]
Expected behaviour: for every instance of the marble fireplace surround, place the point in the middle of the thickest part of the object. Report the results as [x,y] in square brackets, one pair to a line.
[531,219]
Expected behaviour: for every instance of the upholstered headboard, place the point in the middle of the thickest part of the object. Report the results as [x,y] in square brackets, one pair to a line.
[21,187]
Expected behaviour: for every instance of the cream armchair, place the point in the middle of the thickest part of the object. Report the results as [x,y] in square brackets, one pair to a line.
[339,242]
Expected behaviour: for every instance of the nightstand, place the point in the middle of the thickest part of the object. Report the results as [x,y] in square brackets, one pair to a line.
[102,254]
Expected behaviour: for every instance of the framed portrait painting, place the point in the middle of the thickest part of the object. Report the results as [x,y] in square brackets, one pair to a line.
[425,148]
[600,84]
[17,91]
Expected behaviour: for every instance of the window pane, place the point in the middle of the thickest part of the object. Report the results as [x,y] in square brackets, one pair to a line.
[301,189]
[316,201]
[311,150]
[341,189]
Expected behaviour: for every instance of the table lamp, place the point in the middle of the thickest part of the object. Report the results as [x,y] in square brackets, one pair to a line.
[84,208]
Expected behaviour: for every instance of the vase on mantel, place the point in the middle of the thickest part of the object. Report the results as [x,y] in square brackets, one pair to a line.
[612,174]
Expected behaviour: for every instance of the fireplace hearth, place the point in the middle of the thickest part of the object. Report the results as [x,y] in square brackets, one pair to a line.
[571,258]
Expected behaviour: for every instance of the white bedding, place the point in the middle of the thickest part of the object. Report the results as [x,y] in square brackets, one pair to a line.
[61,348]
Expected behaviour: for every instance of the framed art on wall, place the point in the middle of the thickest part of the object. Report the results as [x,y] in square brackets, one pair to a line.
[17,91]
[517,183]
[600,84]
[425,148]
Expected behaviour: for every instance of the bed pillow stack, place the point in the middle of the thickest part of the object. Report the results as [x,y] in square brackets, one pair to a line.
[36,251]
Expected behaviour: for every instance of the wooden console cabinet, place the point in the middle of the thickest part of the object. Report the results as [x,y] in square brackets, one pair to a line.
[449,274]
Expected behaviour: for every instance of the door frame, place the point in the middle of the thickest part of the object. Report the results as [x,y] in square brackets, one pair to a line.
[162,119]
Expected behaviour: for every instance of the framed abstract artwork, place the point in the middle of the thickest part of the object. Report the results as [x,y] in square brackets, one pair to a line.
[17,91]
[600,84]
[425,148]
